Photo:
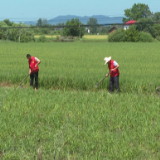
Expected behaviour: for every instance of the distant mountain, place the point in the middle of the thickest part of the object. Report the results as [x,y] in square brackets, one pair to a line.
[101,19]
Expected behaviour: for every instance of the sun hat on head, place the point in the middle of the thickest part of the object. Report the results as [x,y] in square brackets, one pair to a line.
[107,59]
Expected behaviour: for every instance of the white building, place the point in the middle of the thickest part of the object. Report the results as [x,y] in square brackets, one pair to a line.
[128,24]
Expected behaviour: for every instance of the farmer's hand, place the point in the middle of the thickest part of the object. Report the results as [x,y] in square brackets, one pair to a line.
[30,71]
[111,70]
[107,74]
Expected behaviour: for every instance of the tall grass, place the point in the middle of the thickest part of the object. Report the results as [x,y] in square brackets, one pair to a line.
[81,65]
[78,125]
[68,118]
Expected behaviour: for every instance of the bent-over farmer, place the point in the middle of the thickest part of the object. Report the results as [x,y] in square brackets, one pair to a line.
[33,69]
[114,73]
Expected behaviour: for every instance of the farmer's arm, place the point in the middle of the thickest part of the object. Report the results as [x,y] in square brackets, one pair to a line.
[116,65]
[107,74]
[29,71]
[38,61]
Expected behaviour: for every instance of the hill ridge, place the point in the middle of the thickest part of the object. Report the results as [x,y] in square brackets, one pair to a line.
[101,19]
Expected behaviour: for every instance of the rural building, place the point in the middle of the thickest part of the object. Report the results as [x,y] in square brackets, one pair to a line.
[88,30]
[128,24]
[113,29]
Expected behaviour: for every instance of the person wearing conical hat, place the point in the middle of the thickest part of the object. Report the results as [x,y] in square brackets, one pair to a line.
[114,73]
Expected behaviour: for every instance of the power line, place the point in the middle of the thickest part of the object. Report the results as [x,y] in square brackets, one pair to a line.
[64,26]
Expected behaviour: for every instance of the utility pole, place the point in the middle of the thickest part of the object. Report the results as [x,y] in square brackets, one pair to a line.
[19,35]
[79,31]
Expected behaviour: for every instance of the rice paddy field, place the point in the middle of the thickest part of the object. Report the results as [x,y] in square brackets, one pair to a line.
[85,37]
[95,37]
[69,118]
[47,36]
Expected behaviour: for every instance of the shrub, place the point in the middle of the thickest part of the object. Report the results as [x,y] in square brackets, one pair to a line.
[26,35]
[41,39]
[16,34]
[57,38]
[118,36]
[132,35]
[157,28]
[145,37]
[146,25]
[158,38]
[73,28]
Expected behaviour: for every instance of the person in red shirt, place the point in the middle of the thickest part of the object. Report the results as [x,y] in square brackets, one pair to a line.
[114,73]
[33,69]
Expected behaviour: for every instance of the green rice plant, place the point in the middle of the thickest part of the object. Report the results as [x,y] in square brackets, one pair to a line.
[81,65]
[68,118]
[79,124]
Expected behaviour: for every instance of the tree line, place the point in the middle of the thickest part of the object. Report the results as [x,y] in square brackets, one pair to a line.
[146,28]
[140,12]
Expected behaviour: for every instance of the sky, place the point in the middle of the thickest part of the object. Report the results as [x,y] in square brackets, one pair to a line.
[32,10]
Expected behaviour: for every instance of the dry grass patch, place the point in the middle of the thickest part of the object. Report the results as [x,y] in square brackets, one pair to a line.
[47,36]
[84,37]
[95,36]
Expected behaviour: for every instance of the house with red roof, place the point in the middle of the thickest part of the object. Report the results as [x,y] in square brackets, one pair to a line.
[128,24]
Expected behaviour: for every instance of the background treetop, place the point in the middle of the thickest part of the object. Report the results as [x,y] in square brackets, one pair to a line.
[137,11]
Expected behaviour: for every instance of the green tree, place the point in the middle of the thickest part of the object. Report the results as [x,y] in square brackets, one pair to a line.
[16,34]
[3,30]
[44,22]
[137,11]
[93,25]
[146,25]
[8,22]
[39,22]
[73,28]
[157,28]
[60,24]
[59,28]
[156,16]
[20,34]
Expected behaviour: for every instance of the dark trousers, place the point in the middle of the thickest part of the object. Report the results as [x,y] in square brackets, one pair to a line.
[114,80]
[32,77]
